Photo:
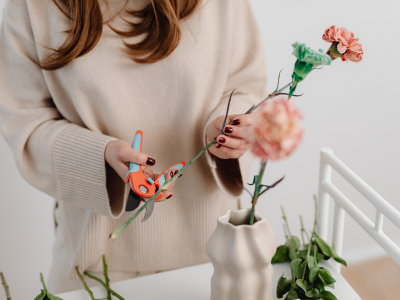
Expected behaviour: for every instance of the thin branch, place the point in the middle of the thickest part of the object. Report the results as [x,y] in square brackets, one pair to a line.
[107,279]
[105,285]
[284,230]
[244,188]
[272,186]
[84,283]
[6,287]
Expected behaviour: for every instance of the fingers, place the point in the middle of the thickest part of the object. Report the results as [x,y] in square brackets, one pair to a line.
[233,143]
[130,155]
[167,194]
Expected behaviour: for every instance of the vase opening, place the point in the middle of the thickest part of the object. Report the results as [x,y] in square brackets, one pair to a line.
[240,219]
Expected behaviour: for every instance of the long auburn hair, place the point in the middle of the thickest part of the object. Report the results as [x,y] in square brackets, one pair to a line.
[159,19]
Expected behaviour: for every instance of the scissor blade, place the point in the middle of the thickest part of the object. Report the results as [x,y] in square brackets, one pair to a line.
[133,201]
[149,210]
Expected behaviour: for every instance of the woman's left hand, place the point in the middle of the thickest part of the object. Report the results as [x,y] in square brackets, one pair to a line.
[233,144]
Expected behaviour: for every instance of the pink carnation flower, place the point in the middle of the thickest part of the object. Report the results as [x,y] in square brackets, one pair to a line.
[347,44]
[276,131]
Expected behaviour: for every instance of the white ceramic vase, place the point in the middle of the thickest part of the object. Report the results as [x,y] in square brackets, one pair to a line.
[241,255]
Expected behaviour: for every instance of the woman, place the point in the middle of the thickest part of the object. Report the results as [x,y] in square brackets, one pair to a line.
[78,78]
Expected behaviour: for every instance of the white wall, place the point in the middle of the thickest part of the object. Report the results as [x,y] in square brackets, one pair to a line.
[352,108]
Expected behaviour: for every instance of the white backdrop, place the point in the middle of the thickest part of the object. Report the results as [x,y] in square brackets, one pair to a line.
[352,108]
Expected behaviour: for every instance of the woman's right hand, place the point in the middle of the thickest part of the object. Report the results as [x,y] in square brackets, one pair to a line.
[119,154]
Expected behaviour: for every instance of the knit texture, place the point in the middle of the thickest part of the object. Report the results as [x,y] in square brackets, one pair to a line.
[58,124]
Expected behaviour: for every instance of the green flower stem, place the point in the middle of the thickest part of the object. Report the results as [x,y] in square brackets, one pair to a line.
[84,283]
[105,285]
[257,191]
[106,278]
[6,287]
[42,280]
[302,231]
[116,233]
[270,96]
[286,222]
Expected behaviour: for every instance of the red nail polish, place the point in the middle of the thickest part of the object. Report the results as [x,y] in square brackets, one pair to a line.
[236,122]
[221,140]
[171,174]
[150,161]
[228,129]
[169,196]
[180,176]
[176,172]
[219,146]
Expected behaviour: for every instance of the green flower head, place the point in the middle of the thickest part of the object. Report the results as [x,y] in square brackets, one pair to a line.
[307,60]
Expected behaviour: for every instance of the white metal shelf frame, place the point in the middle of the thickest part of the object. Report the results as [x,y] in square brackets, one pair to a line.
[327,189]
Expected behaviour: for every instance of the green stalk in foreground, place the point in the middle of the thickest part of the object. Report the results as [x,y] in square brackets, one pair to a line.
[116,233]
[257,191]
[106,278]
[84,283]
[105,285]
[6,287]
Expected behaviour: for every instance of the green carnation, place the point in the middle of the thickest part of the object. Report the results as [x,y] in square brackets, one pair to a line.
[307,60]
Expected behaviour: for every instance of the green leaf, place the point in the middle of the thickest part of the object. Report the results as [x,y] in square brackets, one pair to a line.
[255,178]
[314,293]
[312,262]
[304,285]
[313,274]
[325,277]
[332,286]
[328,296]
[281,255]
[283,286]
[297,267]
[52,297]
[328,251]
[293,245]
[41,296]
[292,295]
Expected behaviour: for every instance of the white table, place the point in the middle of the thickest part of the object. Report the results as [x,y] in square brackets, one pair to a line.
[192,283]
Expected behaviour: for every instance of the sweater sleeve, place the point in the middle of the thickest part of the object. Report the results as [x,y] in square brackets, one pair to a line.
[64,160]
[248,75]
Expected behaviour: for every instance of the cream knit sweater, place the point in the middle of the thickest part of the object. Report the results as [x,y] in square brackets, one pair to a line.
[58,124]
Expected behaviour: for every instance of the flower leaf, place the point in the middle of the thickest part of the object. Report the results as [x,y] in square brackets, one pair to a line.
[283,287]
[303,284]
[254,180]
[281,255]
[314,293]
[325,276]
[227,112]
[41,296]
[293,245]
[328,296]
[313,274]
[328,251]
[297,267]
[292,295]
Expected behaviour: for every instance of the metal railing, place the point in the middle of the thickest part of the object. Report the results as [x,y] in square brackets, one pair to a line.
[327,189]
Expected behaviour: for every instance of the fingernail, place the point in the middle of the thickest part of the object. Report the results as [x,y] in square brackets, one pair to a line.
[171,174]
[180,175]
[219,146]
[228,129]
[236,122]
[221,140]
[176,171]
[169,196]
[150,161]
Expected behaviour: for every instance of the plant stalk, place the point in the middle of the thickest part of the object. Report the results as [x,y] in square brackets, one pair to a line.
[257,191]
[302,231]
[84,283]
[6,287]
[116,233]
[106,278]
[105,285]
[42,280]
[286,222]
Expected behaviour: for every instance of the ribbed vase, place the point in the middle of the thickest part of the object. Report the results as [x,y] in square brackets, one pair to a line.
[241,255]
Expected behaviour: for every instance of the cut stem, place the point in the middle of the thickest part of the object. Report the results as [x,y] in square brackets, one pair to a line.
[286,222]
[106,278]
[84,283]
[257,191]
[105,285]
[42,280]
[302,231]
[6,287]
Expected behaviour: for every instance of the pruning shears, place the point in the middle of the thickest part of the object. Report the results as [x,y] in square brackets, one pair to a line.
[143,185]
